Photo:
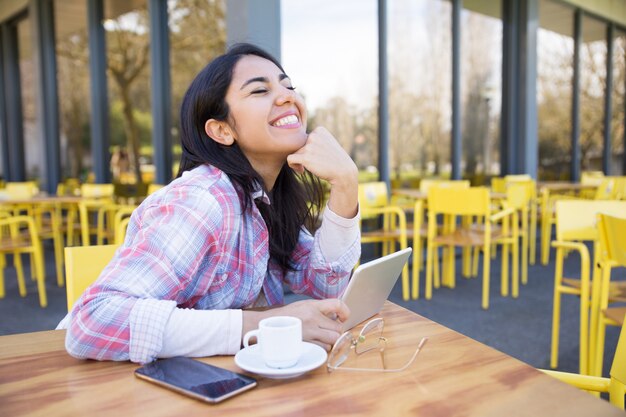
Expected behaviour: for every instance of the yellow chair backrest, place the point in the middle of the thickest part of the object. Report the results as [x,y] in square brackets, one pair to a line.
[612,233]
[591,177]
[154,188]
[498,185]
[518,178]
[26,189]
[519,195]
[373,195]
[120,223]
[576,219]
[97,190]
[606,189]
[427,183]
[459,201]
[83,265]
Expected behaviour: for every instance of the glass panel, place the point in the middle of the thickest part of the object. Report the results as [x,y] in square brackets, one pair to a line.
[73,86]
[617,122]
[592,91]
[329,51]
[197,35]
[555,48]
[128,70]
[33,147]
[481,92]
[420,79]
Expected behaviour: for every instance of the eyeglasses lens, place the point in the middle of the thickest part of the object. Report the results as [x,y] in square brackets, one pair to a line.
[340,350]
[370,337]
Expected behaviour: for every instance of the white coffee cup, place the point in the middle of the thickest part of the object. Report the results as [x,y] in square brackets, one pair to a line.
[279,339]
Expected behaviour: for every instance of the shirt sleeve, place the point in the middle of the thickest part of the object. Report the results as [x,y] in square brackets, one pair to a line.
[124,314]
[337,233]
[319,276]
[199,333]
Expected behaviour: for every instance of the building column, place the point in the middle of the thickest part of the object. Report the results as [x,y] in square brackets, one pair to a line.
[13,104]
[383,97]
[4,136]
[576,154]
[518,124]
[161,90]
[456,143]
[527,149]
[99,95]
[256,22]
[42,14]
[608,102]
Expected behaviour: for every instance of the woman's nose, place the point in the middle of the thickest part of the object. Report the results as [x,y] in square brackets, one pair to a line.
[286,96]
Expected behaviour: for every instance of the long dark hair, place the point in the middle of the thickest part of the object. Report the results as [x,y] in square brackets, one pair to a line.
[295,199]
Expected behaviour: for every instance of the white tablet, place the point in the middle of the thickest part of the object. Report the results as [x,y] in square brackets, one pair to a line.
[370,286]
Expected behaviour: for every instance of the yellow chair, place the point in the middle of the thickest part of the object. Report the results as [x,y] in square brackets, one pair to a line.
[374,205]
[21,190]
[120,223]
[463,202]
[48,226]
[612,231]
[575,224]
[533,212]
[107,221]
[519,197]
[97,190]
[22,237]
[615,386]
[152,188]
[606,189]
[498,185]
[419,228]
[83,265]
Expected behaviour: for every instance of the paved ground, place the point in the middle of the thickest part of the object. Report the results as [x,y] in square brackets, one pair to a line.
[519,327]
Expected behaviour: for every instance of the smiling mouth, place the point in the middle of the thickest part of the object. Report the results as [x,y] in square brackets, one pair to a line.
[287,121]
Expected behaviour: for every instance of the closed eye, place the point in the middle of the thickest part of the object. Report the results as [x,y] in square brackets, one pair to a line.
[259,91]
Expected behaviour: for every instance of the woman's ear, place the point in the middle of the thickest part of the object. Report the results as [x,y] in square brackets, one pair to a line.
[219,131]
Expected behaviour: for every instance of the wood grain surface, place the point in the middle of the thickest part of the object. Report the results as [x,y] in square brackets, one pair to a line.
[453,376]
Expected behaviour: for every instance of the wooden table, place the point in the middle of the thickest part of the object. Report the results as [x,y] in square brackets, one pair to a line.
[418,194]
[563,186]
[453,376]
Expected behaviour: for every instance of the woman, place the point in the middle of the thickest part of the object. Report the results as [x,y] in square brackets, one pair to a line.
[228,233]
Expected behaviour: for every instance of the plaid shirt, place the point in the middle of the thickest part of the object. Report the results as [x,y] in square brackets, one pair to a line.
[189,245]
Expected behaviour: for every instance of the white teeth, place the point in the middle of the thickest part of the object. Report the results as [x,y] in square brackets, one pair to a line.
[287,120]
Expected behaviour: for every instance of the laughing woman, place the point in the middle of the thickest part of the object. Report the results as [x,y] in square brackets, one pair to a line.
[224,238]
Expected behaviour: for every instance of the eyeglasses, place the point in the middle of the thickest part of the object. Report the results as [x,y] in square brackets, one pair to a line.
[370,338]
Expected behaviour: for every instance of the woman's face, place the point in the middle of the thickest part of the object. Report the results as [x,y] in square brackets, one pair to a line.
[267,116]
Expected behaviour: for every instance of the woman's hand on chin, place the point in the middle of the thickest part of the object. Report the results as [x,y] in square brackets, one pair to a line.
[324,157]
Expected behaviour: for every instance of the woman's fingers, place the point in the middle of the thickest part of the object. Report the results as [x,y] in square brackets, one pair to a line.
[321,319]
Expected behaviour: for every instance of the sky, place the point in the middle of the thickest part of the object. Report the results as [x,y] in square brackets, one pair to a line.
[330,48]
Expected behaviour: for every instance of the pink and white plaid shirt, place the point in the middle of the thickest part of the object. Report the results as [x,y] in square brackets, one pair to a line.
[189,245]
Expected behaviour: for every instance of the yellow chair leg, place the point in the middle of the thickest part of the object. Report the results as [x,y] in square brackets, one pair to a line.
[556,312]
[58,258]
[428,291]
[504,273]
[19,269]
[41,284]
[486,262]
[2,265]
[533,234]
[515,274]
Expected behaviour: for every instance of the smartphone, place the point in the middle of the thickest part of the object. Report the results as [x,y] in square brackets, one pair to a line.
[196,379]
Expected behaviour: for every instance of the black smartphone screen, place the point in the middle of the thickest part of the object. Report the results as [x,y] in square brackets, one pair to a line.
[196,379]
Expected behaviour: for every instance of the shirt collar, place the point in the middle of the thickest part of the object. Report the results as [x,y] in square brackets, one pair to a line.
[258,193]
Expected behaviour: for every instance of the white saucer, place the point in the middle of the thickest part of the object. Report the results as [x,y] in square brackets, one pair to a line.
[249,359]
